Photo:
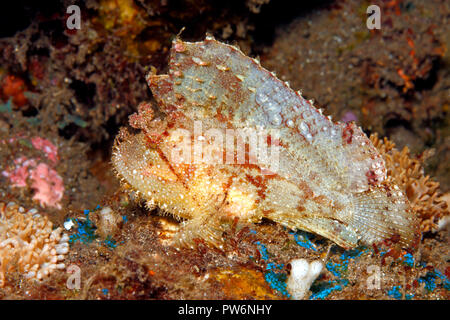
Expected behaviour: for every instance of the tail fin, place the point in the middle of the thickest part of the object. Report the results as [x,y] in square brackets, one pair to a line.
[372,216]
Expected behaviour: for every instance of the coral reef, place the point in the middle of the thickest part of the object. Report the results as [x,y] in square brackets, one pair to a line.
[29,244]
[65,93]
[61,76]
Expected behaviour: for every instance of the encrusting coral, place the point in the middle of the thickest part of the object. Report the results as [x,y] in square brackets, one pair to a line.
[407,172]
[47,184]
[28,243]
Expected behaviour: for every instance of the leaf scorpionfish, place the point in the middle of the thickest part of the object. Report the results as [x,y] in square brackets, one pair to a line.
[326,177]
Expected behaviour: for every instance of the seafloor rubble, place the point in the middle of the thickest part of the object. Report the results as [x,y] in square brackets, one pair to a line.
[64,95]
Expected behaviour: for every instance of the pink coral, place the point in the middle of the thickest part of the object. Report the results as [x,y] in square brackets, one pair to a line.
[48,184]
[50,150]
[19,176]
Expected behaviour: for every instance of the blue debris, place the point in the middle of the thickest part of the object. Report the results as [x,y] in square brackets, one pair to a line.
[274,266]
[446,282]
[395,292]
[252,231]
[276,280]
[322,290]
[353,253]
[263,251]
[408,259]
[85,229]
[338,269]
[447,285]
[111,243]
[125,219]
[430,280]
[105,291]
[302,239]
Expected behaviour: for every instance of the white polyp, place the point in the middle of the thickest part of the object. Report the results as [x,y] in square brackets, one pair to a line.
[64,238]
[68,224]
[443,223]
[302,276]
[62,250]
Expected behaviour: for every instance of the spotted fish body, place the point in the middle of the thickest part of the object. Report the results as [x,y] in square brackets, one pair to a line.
[329,178]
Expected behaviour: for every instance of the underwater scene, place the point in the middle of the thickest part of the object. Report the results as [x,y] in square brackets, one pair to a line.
[225,150]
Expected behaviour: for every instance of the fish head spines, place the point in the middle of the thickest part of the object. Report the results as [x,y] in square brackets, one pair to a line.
[119,153]
[149,173]
[159,85]
[122,137]
[154,128]
[162,87]
[143,118]
[178,45]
